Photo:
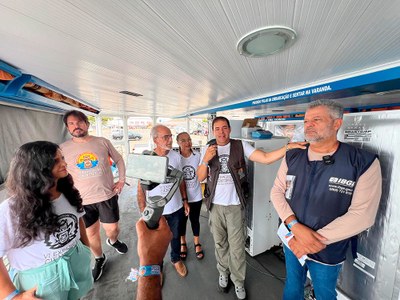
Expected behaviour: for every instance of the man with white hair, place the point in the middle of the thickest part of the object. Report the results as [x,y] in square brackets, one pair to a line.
[175,209]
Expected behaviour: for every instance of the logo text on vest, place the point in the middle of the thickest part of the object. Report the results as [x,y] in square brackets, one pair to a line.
[341,185]
[342,181]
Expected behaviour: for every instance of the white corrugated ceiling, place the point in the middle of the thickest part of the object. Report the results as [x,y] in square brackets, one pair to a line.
[181,54]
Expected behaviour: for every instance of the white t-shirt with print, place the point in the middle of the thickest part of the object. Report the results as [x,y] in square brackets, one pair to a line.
[40,252]
[189,167]
[174,160]
[225,191]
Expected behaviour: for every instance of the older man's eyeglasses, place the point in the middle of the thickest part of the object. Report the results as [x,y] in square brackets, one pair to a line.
[165,137]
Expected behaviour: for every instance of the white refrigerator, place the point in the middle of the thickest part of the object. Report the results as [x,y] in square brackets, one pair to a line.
[262,221]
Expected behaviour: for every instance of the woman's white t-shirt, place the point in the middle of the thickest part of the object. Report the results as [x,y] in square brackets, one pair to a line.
[42,251]
[189,167]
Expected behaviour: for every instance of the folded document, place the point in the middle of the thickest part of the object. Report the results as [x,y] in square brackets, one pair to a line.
[285,235]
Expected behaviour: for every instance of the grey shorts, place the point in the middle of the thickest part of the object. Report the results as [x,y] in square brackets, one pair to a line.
[106,211]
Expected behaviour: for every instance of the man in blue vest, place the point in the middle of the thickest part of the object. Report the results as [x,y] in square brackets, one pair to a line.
[325,195]
[224,166]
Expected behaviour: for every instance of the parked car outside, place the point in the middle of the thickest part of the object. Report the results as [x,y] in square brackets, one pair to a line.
[118,135]
[199,132]
[179,129]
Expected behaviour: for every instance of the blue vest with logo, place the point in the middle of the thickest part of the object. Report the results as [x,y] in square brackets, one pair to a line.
[323,192]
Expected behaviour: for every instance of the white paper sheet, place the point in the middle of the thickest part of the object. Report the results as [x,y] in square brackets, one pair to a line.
[285,235]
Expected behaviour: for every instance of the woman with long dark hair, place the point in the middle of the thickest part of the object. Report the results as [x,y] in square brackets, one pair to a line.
[41,229]
[190,161]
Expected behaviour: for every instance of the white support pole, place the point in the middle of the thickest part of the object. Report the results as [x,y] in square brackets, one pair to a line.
[126,135]
[210,118]
[99,130]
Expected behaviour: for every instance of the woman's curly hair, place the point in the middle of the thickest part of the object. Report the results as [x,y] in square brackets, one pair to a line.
[29,182]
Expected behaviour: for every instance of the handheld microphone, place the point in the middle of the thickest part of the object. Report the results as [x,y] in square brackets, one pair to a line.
[328,160]
[211,142]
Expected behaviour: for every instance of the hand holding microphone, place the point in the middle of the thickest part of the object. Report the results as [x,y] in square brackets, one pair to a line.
[211,150]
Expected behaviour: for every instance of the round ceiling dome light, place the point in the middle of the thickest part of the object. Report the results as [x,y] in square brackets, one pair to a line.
[266,41]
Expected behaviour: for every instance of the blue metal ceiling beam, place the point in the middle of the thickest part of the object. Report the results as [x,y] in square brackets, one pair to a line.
[13,92]
[374,82]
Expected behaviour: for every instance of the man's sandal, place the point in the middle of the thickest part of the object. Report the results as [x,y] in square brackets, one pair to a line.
[199,254]
[183,254]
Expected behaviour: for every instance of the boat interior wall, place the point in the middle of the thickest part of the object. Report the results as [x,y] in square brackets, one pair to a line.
[19,126]
[374,274]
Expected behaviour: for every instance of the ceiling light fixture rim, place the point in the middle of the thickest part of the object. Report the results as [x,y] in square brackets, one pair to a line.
[250,36]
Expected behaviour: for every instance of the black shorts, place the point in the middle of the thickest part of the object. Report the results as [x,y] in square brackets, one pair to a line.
[107,211]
